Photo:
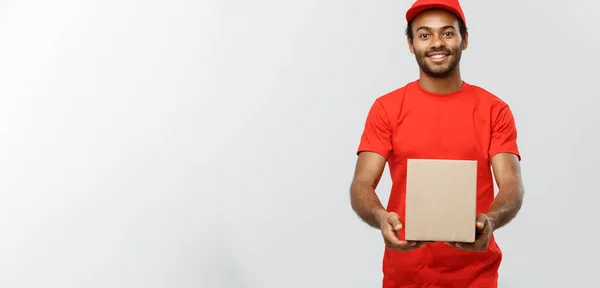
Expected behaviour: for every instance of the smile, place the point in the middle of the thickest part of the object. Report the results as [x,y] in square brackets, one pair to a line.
[438,57]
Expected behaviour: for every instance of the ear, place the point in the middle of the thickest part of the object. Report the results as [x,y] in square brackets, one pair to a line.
[465,42]
[411,47]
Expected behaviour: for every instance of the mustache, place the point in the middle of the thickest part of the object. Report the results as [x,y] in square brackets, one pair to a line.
[445,50]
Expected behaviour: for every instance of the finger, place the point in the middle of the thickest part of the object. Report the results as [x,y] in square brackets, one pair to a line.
[481,222]
[465,246]
[391,237]
[480,225]
[480,243]
[405,246]
[482,239]
[421,244]
[460,246]
[418,243]
[394,220]
[400,245]
[452,244]
[472,247]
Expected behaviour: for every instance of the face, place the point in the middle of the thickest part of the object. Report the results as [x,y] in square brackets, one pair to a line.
[437,43]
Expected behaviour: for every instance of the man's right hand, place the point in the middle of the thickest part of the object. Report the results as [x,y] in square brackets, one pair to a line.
[390,225]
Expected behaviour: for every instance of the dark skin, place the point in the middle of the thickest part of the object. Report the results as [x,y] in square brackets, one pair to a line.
[366,203]
[506,205]
[436,31]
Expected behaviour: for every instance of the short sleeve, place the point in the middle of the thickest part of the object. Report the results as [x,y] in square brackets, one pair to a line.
[504,134]
[377,133]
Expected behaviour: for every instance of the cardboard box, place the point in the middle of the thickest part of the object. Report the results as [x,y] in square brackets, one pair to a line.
[441,199]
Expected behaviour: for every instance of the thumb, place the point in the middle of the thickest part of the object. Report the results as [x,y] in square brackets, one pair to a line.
[394,220]
[480,223]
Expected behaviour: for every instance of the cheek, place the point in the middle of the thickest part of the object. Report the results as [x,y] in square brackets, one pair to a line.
[457,46]
[414,48]
[419,51]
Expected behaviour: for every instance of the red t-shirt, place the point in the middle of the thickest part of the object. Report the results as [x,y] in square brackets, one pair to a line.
[469,124]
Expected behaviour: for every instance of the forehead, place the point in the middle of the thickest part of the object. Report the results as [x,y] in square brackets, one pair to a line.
[435,18]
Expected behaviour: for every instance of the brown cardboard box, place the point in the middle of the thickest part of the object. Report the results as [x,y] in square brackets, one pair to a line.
[441,198]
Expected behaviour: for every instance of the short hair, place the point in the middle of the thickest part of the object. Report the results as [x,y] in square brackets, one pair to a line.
[461,27]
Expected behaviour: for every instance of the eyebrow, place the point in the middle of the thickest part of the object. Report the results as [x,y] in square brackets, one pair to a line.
[429,28]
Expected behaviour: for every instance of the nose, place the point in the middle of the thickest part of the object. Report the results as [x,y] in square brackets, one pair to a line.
[436,42]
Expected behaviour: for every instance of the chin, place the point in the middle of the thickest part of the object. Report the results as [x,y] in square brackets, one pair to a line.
[438,73]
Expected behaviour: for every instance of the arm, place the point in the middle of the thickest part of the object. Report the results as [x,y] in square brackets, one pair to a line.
[367,206]
[374,149]
[506,205]
[364,200]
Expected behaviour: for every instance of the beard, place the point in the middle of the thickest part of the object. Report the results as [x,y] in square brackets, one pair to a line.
[439,70]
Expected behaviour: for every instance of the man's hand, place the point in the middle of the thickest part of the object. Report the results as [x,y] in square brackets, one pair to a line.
[484,229]
[390,225]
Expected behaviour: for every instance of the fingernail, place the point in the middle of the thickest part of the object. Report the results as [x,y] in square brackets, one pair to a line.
[458,245]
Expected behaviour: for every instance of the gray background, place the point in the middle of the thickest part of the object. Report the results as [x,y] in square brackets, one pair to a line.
[211,144]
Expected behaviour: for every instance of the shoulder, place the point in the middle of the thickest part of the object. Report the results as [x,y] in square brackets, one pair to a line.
[389,104]
[492,104]
[394,98]
[487,98]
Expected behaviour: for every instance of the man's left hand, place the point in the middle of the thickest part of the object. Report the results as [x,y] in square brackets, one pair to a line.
[484,230]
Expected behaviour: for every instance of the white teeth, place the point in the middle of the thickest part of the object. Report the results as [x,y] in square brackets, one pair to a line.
[438,56]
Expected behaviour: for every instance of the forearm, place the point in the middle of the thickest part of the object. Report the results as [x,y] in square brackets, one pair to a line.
[366,204]
[506,205]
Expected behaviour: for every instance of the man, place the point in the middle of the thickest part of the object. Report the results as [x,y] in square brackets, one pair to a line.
[438,116]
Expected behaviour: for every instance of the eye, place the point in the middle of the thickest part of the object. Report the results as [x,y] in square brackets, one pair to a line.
[423,36]
[448,34]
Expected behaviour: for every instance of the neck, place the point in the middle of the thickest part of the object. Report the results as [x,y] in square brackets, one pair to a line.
[449,84]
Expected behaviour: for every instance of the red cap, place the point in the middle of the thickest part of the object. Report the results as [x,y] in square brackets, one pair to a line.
[422,5]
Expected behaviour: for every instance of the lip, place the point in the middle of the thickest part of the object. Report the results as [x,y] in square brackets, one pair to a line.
[442,56]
